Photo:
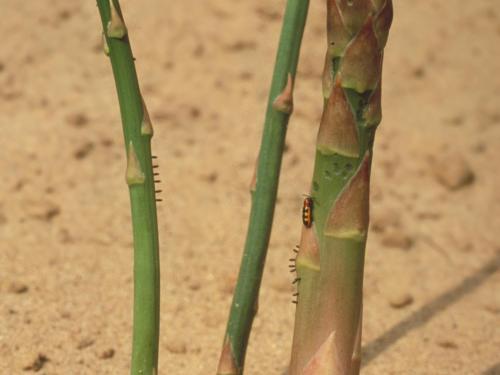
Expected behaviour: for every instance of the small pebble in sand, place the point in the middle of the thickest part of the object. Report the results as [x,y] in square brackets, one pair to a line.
[65,315]
[452,171]
[107,354]
[176,346]
[398,239]
[42,210]
[85,343]
[447,344]
[83,150]
[400,300]
[37,363]
[78,119]
[384,220]
[17,287]
[210,177]
[194,286]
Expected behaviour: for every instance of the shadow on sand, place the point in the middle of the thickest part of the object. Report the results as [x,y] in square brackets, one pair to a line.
[420,317]
[495,370]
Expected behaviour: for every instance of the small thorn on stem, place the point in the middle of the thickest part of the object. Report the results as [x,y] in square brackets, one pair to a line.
[296,280]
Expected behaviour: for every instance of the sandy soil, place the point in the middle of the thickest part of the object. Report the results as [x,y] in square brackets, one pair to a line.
[432,301]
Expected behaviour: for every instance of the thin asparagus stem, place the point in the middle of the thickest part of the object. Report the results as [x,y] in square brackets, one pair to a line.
[327,335]
[264,190]
[137,131]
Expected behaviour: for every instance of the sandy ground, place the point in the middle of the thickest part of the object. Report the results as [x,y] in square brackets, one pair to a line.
[432,283]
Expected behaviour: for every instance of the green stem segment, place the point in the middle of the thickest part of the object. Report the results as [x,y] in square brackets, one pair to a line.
[137,131]
[330,262]
[264,190]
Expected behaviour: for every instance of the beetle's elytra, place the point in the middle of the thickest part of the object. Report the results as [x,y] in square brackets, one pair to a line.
[307,208]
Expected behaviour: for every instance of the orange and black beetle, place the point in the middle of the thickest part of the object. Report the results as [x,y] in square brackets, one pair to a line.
[307,210]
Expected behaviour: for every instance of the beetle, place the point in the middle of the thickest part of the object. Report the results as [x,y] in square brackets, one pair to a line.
[307,211]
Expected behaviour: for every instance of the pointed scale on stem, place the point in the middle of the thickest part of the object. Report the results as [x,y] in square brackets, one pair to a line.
[348,217]
[105,46]
[356,354]
[383,21]
[309,250]
[308,274]
[337,131]
[354,12]
[146,126]
[134,174]
[362,62]
[378,4]
[227,363]
[325,360]
[372,113]
[327,79]
[253,181]
[338,34]
[284,101]
[116,26]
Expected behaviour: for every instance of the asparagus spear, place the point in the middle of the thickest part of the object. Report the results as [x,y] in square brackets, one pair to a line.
[137,131]
[330,262]
[263,190]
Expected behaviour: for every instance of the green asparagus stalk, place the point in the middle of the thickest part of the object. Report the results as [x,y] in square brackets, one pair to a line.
[327,336]
[263,190]
[137,131]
